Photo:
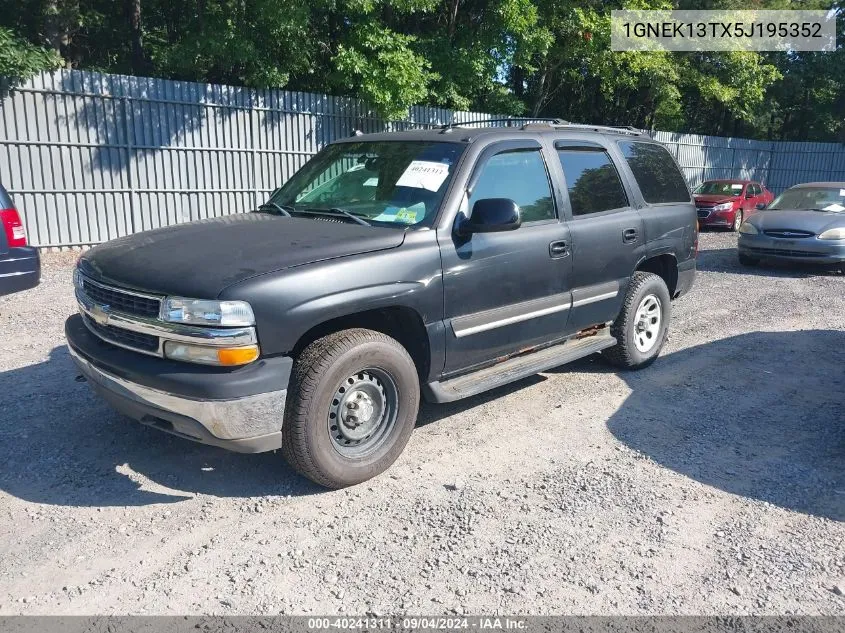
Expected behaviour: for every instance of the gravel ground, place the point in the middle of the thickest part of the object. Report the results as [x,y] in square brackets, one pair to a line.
[712,482]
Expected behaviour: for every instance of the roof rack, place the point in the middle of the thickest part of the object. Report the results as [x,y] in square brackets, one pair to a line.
[508,120]
[618,129]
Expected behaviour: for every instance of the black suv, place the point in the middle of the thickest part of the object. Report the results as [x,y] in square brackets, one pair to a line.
[444,262]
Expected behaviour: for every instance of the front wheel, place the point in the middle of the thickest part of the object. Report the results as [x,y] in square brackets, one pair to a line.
[352,405]
[738,217]
[643,323]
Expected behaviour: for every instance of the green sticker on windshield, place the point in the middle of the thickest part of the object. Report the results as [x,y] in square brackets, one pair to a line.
[406,215]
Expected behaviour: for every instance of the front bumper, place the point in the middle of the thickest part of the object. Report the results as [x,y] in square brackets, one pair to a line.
[715,218]
[20,269]
[229,408]
[809,249]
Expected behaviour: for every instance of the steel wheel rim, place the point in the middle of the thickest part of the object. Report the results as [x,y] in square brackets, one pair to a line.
[737,220]
[362,412]
[647,321]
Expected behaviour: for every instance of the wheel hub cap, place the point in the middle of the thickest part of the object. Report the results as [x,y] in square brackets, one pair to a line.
[647,323]
[362,411]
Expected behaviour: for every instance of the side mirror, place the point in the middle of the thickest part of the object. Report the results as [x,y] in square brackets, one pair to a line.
[761,205]
[749,195]
[492,215]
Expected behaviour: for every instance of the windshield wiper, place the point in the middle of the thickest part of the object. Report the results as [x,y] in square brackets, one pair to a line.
[283,209]
[335,211]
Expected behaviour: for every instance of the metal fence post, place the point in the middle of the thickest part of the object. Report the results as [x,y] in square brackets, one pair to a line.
[129,148]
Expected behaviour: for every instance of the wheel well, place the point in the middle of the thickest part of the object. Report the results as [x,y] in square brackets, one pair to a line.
[664,266]
[403,324]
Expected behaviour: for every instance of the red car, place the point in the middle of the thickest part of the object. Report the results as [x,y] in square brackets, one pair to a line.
[725,203]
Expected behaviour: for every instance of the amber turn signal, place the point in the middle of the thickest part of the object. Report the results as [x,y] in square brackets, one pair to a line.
[237,355]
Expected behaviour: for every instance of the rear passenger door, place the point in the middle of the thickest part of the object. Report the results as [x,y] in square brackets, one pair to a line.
[606,231]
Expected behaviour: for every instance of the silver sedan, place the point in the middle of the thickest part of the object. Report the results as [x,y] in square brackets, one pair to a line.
[806,223]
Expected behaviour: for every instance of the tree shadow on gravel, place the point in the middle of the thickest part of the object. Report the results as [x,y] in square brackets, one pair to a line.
[61,444]
[725,260]
[760,415]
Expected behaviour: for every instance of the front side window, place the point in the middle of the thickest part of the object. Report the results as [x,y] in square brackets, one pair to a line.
[656,173]
[592,180]
[390,183]
[521,176]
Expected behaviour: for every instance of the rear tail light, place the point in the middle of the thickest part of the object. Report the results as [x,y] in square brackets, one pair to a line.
[12,225]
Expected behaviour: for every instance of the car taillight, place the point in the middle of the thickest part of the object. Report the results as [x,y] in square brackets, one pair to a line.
[12,225]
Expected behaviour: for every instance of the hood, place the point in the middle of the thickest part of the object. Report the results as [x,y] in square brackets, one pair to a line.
[713,198]
[798,219]
[202,258]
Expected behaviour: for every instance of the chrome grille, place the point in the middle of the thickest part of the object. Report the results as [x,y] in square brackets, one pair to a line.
[122,300]
[703,213]
[789,233]
[124,338]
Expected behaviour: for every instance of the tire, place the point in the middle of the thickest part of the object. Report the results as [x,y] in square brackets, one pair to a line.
[644,290]
[745,260]
[738,217]
[319,438]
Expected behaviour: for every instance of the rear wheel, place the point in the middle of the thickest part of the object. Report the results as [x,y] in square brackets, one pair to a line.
[745,260]
[738,216]
[352,405]
[643,323]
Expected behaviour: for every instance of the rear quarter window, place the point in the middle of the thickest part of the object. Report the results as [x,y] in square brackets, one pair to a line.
[656,173]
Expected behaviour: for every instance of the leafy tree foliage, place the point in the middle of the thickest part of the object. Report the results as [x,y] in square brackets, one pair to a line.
[521,57]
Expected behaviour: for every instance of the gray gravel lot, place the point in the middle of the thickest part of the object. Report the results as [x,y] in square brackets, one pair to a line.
[712,482]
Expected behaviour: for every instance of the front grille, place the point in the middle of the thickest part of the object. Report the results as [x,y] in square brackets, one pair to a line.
[783,252]
[704,213]
[789,233]
[121,301]
[127,338]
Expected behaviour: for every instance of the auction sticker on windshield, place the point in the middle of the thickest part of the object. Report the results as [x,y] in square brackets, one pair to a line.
[424,174]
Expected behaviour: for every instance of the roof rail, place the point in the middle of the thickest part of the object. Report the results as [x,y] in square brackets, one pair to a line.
[618,129]
[508,120]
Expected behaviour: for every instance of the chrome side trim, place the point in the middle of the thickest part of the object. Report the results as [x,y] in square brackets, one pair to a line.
[596,292]
[18,274]
[514,313]
[224,419]
[593,299]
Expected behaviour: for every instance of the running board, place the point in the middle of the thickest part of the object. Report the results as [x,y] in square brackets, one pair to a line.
[515,368]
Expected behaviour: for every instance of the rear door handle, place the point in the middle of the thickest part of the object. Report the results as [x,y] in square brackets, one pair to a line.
[629,236]
[558,249]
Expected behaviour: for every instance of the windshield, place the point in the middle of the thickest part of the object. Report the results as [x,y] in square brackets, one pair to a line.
[398,183]
[721,188]
[817,198]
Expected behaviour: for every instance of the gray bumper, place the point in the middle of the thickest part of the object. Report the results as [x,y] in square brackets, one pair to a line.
[251,424]
[810,250]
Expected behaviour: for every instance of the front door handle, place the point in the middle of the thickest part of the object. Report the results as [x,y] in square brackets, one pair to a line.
[629,236]
[558,249]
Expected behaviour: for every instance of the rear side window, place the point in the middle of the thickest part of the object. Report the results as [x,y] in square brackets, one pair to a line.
[521,176]
[592,181]
[656,173]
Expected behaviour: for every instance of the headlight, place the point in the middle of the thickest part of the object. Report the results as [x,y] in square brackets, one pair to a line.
[226,356]
[725,206]
[833,234]
[207,312]
[748,229]
[77,279]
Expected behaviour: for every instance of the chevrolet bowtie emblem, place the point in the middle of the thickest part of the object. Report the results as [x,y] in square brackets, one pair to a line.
[100,314]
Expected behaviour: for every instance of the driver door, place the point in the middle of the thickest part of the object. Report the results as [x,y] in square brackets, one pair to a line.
[506,291]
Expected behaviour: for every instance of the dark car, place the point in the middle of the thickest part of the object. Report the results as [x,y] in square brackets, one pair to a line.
[440,263]
[20,264]
[726,203]
[806,223]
